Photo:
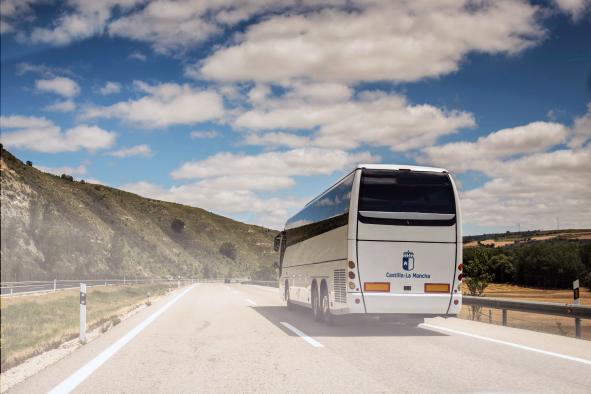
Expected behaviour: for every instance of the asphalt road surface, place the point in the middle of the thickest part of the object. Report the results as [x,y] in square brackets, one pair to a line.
[239,338]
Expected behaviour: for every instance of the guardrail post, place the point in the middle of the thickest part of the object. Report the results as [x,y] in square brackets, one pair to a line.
[124,280]
[83,312]
[577,327]
[11,291]
[504,317]
[54,284]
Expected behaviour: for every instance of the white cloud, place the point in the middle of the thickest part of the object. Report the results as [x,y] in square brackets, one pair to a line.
[575,8]
[233,200]
[197,134]
[42,69]
[137,150]
[80,170]
[137,55]
[581,130]
[83,20]
[110,88]
[170,26]
[14,11]
[305,161]
[277,139]
[484,152]
[373,41]
[42,135]
[62,86]
[163,105]
[61,106]
[342,121]
[23,122]
[533,191]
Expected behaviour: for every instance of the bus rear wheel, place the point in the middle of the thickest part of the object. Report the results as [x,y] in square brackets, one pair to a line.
[316,309]
[288,302]
[325,304]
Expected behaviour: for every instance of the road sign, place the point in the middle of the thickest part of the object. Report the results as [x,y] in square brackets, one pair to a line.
[82,312]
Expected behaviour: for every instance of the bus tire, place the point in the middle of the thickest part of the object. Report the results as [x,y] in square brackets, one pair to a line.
[288,302]
[325,305]
[316,311]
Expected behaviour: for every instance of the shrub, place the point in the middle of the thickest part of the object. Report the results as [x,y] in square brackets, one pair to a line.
[177,225]
[29,163]
[585,281]
[228,249]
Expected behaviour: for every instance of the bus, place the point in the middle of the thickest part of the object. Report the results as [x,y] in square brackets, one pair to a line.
[385,240]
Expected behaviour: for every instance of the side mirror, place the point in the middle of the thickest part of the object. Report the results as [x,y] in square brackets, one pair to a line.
[277,242]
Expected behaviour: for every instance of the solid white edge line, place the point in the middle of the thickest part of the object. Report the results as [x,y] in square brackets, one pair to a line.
[250,301]
[532,349]
[88,369]
[306,338]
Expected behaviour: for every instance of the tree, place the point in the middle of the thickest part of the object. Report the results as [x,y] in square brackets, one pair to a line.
[502,266]
[228,249]
[477,272]
[177,225]
[29,163]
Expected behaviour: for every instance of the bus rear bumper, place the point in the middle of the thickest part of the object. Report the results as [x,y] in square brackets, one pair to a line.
[419,304]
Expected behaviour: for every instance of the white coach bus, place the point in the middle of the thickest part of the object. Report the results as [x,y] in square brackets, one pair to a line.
[384,240]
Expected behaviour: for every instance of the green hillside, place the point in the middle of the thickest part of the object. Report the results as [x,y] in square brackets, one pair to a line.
[53,227]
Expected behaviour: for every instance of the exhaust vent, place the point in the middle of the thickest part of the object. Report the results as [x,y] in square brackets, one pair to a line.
[340,286]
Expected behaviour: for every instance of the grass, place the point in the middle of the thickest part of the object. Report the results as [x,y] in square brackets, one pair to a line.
[533,321]
[33,324]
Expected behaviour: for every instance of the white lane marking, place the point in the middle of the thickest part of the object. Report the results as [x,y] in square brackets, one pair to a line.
[250,301]
[306,338]
[79,376]
[532,349]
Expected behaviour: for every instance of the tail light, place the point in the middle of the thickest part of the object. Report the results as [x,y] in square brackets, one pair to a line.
[351,275]
[351,264]
[377,286]
[460,267]
[460,277]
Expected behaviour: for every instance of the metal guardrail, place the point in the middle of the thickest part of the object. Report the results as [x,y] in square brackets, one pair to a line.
[575,311]
[269,283]
[8,289]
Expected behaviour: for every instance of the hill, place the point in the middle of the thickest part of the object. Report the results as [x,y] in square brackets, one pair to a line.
[54,227]
[510,238]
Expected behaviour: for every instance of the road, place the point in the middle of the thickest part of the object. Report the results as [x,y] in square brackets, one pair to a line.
[232,338]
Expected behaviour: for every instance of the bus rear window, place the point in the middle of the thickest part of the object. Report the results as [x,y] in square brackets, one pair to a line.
[406,191]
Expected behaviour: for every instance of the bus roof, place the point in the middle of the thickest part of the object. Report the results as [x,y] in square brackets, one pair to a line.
[401,166]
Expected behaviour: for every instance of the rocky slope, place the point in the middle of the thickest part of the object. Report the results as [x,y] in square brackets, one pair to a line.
[53,227]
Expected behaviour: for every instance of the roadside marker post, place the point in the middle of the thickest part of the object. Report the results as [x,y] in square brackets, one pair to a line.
[576,294]
[83,312]
[577,301]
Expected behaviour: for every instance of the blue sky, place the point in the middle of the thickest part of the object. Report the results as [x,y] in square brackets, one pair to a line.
[250,109]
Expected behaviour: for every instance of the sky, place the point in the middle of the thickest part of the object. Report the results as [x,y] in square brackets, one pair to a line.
[251,108]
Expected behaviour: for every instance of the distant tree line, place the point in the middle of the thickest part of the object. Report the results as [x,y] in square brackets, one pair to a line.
[549,264]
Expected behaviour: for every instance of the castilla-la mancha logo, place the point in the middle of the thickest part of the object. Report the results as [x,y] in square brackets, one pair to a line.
[408,261]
